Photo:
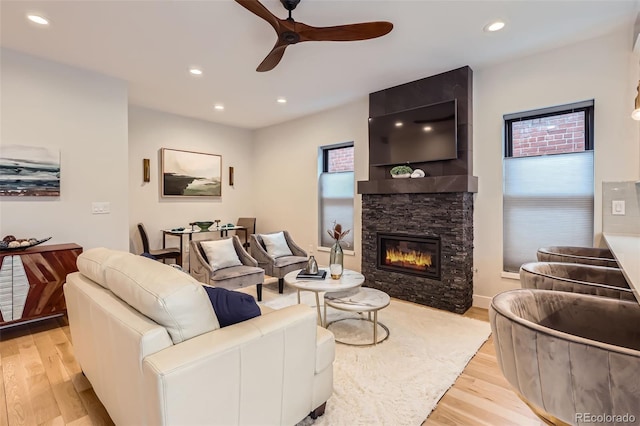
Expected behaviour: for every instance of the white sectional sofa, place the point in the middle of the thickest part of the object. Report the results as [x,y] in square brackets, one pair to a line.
[149,342]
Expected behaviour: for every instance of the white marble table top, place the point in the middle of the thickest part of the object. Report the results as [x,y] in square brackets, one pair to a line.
[363,299]
[349,279]
[626,250]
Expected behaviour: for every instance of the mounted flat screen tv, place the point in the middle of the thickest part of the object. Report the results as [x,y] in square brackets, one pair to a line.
[427,133]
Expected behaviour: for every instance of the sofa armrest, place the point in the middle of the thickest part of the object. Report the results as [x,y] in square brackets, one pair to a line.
[200,268]
[260,254]
[295,249]
[244,257]
[256,371]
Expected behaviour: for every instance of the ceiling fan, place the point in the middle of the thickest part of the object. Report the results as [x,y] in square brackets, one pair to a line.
[292,32]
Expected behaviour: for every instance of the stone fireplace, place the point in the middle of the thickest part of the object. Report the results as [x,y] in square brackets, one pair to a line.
[447,217]
[426,223]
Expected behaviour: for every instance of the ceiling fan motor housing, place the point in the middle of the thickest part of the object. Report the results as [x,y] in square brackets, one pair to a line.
[290,37]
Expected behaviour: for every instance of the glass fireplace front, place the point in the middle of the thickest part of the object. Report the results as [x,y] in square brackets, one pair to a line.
[409,254]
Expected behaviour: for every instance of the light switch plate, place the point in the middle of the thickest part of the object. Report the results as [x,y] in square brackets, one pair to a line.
[617,207]
[100,207]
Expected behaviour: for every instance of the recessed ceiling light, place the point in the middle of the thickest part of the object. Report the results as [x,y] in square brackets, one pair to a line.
[38,19]
[494,26]
[195,71]
[218,107]
[282,101]
[398,123]
[426,128]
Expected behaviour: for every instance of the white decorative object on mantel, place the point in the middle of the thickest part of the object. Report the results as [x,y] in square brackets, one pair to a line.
[418,173]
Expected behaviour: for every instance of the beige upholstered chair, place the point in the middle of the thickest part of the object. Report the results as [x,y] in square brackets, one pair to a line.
[232,277]
[280,266]
[569,354]
[576,278]
[585,255]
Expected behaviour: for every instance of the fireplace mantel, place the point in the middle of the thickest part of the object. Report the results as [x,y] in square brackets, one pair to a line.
[425,185]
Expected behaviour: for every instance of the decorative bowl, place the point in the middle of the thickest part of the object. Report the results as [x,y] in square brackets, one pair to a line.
[401,176]
[204,226]
[33,242]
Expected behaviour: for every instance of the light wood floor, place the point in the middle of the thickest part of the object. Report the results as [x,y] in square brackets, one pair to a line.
[41,384]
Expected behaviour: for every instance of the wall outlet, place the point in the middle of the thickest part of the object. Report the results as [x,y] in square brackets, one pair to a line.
[100,207]
[617,207]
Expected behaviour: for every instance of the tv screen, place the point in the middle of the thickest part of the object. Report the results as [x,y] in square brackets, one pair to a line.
[427,133]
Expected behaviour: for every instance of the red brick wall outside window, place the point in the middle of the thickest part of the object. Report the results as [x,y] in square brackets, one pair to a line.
[340,160]
[558,134]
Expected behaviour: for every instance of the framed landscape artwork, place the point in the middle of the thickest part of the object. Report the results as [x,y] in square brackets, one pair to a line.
[190,174]
[29,171]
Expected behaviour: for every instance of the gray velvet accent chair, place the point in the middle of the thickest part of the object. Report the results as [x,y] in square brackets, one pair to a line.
[280,266]
[569,353]
[576,278]
[585,255]
[232,277]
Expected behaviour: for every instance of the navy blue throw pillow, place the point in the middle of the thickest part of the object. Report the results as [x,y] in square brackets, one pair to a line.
[232,306]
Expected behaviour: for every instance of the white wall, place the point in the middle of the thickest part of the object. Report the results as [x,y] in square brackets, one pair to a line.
[599,69]
[149,131]
[84,114]
[286,178]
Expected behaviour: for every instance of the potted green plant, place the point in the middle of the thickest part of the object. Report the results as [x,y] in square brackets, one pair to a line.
[401,172]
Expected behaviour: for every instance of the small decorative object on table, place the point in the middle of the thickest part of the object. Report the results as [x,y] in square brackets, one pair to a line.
[10,242]
[312,265]
[401,172]
[204,226]
[336,261]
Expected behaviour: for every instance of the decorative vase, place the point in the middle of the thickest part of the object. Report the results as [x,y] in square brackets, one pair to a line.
[336,265]
[312,265]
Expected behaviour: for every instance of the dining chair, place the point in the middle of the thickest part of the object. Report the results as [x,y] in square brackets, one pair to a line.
[160,254]
[250,224]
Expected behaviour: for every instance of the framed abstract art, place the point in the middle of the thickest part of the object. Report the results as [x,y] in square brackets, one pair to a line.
[190,174]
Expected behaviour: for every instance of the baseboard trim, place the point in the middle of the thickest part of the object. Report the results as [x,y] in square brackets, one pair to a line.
[481,301]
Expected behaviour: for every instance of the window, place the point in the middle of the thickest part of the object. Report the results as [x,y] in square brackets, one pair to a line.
[336,191]
[548,181]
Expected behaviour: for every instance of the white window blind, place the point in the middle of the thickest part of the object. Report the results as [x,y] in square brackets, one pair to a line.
[547,201]
[336,204]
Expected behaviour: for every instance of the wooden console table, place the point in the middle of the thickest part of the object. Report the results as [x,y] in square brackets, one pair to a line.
[31,282]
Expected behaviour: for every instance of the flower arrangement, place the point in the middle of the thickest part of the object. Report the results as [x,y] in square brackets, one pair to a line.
[336,232]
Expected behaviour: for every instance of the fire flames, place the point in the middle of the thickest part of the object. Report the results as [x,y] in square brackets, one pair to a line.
[408,259]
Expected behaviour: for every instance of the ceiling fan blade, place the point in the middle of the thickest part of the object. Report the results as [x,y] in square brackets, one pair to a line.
[258,9]
[273,58]
[350,32]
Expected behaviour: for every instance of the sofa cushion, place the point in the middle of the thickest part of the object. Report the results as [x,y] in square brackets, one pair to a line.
[276,244]
[168,296]
[91,263]
[232,307]
[220,253]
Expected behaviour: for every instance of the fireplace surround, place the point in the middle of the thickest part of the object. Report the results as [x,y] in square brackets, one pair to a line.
[439,205]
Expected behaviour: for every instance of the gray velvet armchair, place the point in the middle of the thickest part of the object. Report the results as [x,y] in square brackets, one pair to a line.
[233,277]
[576,278]
[280,266]
[569,354]
[585,255]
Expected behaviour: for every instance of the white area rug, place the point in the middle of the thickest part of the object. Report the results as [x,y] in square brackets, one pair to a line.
[399,381]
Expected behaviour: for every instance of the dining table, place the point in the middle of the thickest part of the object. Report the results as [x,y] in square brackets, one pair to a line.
[181,232]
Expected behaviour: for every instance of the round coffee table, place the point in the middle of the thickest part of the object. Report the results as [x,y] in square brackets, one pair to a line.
[363,299]
[350,279]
